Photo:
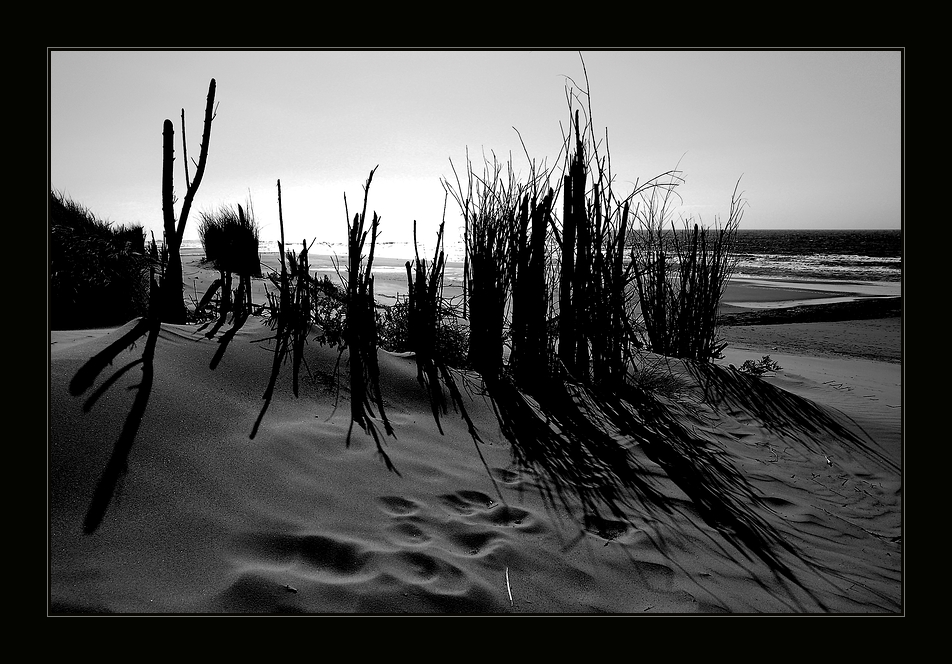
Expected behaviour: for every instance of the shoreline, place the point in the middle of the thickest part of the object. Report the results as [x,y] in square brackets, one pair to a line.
[762,325]
[741,293]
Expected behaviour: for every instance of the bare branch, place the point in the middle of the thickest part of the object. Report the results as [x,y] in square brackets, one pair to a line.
[185,152]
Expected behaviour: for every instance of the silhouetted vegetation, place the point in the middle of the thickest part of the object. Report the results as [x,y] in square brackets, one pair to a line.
[288,313]
[596,333]
[171,307]
[451,339]
[429,326]
[99,272]
[531,302]
[346,318]
[489,204]
[564,312]
[360,332]
[760,367]
[553,305]
[230,240]
[681,274]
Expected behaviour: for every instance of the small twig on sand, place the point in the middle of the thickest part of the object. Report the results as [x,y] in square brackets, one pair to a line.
[508,587]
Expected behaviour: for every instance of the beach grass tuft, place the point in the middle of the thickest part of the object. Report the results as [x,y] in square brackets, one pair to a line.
[682,271]
[229,237]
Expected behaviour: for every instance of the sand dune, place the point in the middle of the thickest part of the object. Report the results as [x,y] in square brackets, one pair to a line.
[753,495]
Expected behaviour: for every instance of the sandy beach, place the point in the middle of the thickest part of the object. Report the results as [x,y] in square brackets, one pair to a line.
[175,488]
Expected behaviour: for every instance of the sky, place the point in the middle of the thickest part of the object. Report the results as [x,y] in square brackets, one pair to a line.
[814,137]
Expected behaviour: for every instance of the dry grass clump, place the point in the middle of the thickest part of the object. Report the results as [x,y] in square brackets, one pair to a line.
[681,274]
[553,307]
[433,331]
[229,237]
[360,332]
[489,203]
[347,316]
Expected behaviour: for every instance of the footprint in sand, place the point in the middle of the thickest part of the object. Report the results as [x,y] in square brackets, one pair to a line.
[487,512]
[408,533]
[316,554]
[607,529]
[407,513]
[398,506]
[467,503]
[507,476]
[421,567]
[509,515]
[430,569]
[468,540]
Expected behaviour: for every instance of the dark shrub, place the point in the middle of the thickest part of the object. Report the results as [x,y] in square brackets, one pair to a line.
[99,273]
[452,335]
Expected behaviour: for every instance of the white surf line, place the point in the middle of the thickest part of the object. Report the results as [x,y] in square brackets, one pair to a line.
[784,304]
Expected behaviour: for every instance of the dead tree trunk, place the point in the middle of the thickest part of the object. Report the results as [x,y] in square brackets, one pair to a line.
[172,297]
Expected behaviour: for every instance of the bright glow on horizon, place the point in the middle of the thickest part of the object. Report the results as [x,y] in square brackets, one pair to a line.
[815,136]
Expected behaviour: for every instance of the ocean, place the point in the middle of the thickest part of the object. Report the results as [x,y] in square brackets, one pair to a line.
[793,255]
[815,255]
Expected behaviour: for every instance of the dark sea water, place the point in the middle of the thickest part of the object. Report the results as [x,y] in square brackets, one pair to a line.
[809,255]
[840,255]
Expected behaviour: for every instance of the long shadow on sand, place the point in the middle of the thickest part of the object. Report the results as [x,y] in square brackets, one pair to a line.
[580,443]
[780,411]
[236,324]
[117,465]
[721,494]
[555,433]
[87,374]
